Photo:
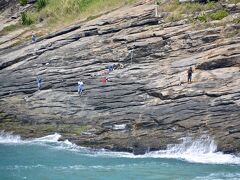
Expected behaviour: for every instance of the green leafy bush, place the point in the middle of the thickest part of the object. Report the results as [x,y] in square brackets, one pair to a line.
[23,2]
[202,17]
[219,14]
[26,20]
[41,4]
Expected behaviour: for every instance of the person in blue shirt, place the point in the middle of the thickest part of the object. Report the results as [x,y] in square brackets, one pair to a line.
[110,68]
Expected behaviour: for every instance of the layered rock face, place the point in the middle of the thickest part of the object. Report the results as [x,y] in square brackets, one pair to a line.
[146,101]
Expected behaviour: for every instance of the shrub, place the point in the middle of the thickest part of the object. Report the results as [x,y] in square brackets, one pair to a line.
[219,14]
[23,2]
[41,4]
[173,17]
[237,20]
[202,17]
[26,20]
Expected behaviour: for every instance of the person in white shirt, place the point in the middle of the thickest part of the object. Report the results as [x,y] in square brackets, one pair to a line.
[80,87]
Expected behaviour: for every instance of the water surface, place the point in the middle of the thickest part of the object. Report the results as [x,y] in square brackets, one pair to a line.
[46,158]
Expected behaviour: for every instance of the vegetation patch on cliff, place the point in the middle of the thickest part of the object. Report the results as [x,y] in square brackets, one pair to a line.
[193,12]
[58,12]
[9,123]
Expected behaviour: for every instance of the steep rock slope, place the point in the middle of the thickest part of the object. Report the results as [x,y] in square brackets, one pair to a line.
[142,104]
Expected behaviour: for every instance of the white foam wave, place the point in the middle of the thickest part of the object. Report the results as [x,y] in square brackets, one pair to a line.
[50,138]
[218,176]
[9,138]
[17,167]
[202,150]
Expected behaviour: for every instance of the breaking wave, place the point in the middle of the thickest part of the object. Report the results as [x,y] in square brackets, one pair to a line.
[9,138]
[202,150]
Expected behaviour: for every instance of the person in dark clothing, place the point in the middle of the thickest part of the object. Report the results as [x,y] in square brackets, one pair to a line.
[33,37]
[189,72]
[110,68]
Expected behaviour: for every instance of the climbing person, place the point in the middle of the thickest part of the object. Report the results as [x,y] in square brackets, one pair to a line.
[104,80]
[110,68]
[33,37]
[39,82]
[179,81]
[189,72]
[80,87]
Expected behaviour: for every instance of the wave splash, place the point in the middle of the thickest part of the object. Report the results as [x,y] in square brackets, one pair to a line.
[9,138]
[202,150]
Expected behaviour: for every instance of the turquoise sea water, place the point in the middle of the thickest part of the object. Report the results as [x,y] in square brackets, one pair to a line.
[47,159]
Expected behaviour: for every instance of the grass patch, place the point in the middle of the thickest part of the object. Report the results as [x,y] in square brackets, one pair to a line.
[40,4]
[233,1]
[78,130]
[179,10]
[233,33]
[237,20]
[219,14]
[59,12]
[10,28]
[26,19]
[202,17]
[23,2]
[27,129]
[185,8]
[173,17]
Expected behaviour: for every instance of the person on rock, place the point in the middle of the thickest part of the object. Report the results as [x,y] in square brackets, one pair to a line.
[39,82]
[104,80]
[110,68]
[190,72]
[80,87]
[33,37]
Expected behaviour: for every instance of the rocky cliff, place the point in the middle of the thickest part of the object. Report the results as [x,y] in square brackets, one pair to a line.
[146,102]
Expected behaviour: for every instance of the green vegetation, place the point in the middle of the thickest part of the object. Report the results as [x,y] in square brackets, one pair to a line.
[23,2]
[78,130]
[219,14]
[26,19]
[10,28]
[202,17]
[173,17]
[56,13]
[233,1]
[27,129]
[178,11]
[41,4]
[175,7]
[237,20]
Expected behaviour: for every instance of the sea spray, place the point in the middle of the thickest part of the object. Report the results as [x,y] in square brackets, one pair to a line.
[9,138]
[201,150]
[50,138]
